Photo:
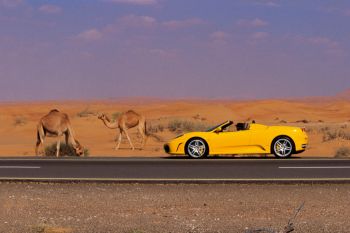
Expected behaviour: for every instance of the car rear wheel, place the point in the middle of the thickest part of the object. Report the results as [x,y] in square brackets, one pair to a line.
[196,148]
[282,147]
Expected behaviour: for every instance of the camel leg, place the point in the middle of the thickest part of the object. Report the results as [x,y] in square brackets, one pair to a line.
[39,142]
[119,140]
[143,135]
[58,147]
[37,146]
[127,135]
[66,135]
[40,135]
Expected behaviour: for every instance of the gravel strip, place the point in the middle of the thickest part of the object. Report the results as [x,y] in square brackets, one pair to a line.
[141,208]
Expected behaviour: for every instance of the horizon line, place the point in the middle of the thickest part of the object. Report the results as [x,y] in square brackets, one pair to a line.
[189,98]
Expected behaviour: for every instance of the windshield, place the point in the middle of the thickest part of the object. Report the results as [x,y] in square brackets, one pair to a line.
[223,126]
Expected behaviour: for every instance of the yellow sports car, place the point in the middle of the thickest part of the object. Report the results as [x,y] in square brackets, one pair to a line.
[248,138]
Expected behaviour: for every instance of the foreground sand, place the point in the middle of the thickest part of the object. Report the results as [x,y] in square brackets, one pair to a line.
[18,121]
[141,208]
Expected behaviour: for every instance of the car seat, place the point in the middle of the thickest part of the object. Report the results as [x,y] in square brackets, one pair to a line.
[242,126]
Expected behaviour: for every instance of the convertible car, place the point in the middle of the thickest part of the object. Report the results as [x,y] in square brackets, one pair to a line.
[247,138]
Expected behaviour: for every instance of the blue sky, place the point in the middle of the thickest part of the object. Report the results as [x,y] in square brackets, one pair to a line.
[173,49]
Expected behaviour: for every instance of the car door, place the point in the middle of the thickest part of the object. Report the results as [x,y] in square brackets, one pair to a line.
[230,142]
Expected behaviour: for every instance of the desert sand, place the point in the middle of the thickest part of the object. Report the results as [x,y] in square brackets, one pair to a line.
[320,116]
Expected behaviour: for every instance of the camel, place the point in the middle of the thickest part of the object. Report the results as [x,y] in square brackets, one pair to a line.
[125,121]
[57,124]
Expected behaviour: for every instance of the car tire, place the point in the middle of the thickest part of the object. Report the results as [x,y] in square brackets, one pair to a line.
[197,148]
[282,147]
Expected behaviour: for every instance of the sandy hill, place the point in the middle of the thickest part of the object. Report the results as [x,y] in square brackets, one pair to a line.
[344,94]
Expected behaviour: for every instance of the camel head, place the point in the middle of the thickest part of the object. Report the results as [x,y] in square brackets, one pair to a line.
[79,149]
[101,116]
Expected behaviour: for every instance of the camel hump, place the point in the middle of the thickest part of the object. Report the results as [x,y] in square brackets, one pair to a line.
[131,112]
[54,110]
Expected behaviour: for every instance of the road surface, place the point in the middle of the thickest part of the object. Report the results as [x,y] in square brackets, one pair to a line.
[175,170]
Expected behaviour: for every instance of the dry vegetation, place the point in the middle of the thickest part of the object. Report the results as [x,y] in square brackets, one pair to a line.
[20,120]
[86,113]
[330,132]
[176,126]
[342,152]
[184,126]
[155,127]
[65,150]
[115,115]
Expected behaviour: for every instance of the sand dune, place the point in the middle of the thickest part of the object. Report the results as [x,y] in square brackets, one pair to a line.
[18,121]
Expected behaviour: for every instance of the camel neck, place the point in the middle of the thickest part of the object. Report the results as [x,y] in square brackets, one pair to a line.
[109,124]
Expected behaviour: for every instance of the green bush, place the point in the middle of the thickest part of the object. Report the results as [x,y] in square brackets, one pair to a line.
[65,150]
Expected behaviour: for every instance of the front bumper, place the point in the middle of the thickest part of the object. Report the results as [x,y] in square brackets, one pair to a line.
[174,148]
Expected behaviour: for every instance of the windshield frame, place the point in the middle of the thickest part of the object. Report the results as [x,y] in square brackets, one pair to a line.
[223,126]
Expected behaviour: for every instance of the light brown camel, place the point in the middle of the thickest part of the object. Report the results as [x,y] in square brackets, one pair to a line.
[125,121]
[57,124]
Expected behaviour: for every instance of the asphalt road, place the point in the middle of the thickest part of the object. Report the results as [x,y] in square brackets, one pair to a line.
[175,170]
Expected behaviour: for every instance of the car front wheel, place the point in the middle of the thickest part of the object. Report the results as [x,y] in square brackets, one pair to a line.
[282,147]
[196,148]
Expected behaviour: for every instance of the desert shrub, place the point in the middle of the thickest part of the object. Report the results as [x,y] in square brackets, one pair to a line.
[334,133]
[20,120]
[85,113]
[155,128]
[199,117]
[308,130]
[115,115]
[330,135]
[344,134]
[174,125]
[324,129]
[180,126]
[65,150]
[342,152]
